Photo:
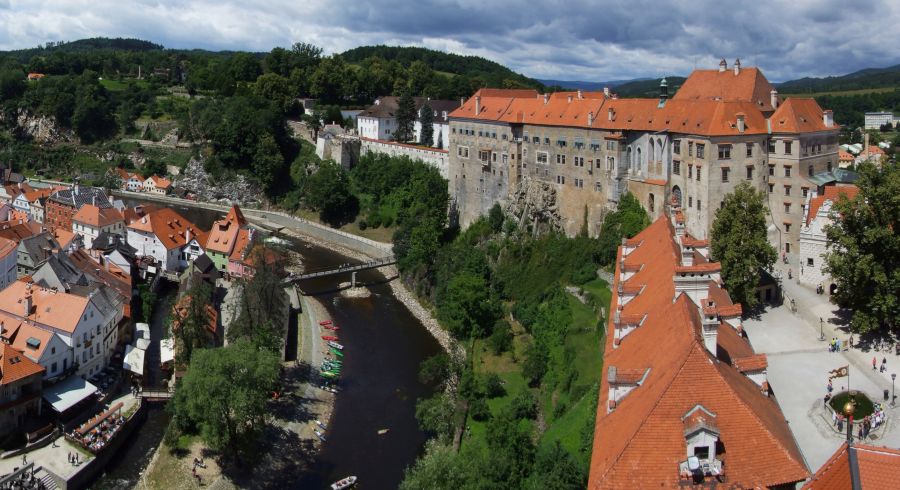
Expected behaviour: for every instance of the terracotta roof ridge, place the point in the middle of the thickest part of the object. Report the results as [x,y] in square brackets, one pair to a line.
[766,429]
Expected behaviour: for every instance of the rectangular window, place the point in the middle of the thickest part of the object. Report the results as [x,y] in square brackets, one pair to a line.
[690,148]
[690,171]
[698,173]
[579,183]
[676,147]
[809,263]
[724,152]
[771,188]
[698,205]
[787,190]
[771,170]
[700,150]
[561,159]
[787,147]
[690,202]
[611,145]
[542,157]
[536,140]
[787,207]
[546,141]
[787,227]
[484,156]
[676,167]
[598,186]
[749,173]
[804,191]
[787,171]
[560,179]
[771,146]
[749,150]
[725,171]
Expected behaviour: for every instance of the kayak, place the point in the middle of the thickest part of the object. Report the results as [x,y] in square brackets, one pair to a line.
[329,337]
[321,436]
[336,352]
[334,361]
[329,374]
[325,322]
[343,484]
[332,327]
[320,424]
[336,345]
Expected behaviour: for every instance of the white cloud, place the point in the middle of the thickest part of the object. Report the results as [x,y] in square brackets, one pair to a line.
[575,39]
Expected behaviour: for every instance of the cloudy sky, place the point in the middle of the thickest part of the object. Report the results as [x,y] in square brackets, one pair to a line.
[567,40]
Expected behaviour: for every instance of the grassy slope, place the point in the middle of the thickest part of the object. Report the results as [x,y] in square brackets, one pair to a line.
[841,92]
[586,341]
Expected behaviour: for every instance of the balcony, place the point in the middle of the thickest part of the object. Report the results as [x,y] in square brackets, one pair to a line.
[696,470]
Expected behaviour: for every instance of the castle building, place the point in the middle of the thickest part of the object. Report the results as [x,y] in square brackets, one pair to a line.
[586,149]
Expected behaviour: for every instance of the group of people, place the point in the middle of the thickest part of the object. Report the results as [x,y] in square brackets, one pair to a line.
[834,346]
[883,367]
[97,438]
[198,462]
[27,480]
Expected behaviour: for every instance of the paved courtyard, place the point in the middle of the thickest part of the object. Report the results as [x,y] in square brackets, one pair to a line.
[798,370]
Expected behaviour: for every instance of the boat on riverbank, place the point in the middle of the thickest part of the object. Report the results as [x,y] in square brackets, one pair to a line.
[335,345]
[320,435]
[329,374]
[345,483]
[329,337]
[332,327]
[336,352]
[325,323]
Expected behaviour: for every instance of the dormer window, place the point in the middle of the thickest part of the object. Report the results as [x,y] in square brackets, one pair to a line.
[701,437]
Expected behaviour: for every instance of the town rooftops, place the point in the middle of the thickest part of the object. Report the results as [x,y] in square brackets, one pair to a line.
[857,467]
[78,196]
[748,85]
[160,182]
[640,439]
[97,217]
[19,231]
[386,107]
[15,366]
[55,309]
[799,115]
[39,246]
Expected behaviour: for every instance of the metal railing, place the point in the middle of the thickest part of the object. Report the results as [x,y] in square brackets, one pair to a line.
[330,271]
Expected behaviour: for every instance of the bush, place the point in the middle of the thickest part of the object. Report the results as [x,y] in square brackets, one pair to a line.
[493,386]
[583,274]
[479,409]
[501,338]
[535,364]
[524,406]
[363,225]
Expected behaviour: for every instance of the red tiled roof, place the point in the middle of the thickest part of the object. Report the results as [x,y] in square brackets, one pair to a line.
[224,232]
[877,467]
[844,156]
[832,193]
[751,363]
[15,366]
[168,226]
[799,116]
[749,85]
[689,241]
[704,267]
[641,442]
[98,217]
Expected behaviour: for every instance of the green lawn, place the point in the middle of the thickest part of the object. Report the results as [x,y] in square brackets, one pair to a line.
[118,86]
[569,428]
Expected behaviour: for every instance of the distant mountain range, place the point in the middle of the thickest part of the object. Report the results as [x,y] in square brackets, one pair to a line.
[588,86]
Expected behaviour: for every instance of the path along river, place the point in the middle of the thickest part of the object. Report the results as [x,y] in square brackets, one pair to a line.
[384,345]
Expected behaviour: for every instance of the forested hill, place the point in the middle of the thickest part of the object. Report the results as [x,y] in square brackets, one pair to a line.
[493,73]
[648,88]
[84,45]
[870,78]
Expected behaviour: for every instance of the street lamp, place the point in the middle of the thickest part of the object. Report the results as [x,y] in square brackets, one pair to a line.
[821,331]
[893,396]
[849,408]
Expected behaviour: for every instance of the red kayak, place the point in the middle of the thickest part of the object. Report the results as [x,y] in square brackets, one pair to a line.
[332,327]
[329,337]
[326,322]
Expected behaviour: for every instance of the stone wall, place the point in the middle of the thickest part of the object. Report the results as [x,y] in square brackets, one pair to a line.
[437,158]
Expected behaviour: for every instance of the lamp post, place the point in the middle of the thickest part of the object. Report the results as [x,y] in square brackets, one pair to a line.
[821,331]
[848,412]
[893,396]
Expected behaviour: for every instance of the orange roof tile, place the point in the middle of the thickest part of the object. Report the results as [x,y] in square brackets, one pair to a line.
[751,363]
[241,245]
[832,193]
[56,309]
[168,226]
[63,237]
[25,331]
[797,115]
[98,217]
[844,156]
[160,182]
[876,467]
[641,442]
[749,85]
[15,366]
[224,232]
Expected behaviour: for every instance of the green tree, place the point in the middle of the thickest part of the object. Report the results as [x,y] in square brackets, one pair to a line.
[556,469]
[191,321]
[739,243]
[427,121]
[260,316]
[436,415]
[224,395]
[406,118]
[468,308]
[626,221]
[864,249]
[496,217]
[440,468]
[12,84]
[329,193]
[276,88]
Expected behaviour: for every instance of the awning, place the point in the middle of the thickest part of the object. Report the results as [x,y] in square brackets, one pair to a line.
[142,331]
[142,344]
[134,360]
[67,393]
[166,350]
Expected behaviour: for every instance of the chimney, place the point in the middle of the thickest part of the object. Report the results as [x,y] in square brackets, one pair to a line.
[737,67]
[546,98]
[580,94]
[611,114]
[477,105]
[377,101]
[462,100]
[710,325]
[27,303]
[774,95]
[740,122]
[187,235]
[828,117]
[606,92]
[723,65]
[663,90]
[569,99]
[590,119]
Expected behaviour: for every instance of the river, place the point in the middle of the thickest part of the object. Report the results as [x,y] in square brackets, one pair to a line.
[379,387]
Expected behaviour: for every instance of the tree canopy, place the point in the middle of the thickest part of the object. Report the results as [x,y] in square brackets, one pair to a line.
[738,241]
[406,118]
[864,249]
[626,221]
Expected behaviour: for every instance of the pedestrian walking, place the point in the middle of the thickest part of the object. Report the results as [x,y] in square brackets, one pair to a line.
[24,459]
[874,363]
[861,432]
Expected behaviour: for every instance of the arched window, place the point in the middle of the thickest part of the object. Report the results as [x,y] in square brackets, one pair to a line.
[829,166]
[652,204]
[650,156]
[810,170]
[676,195]
[640,162]
[628,159]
